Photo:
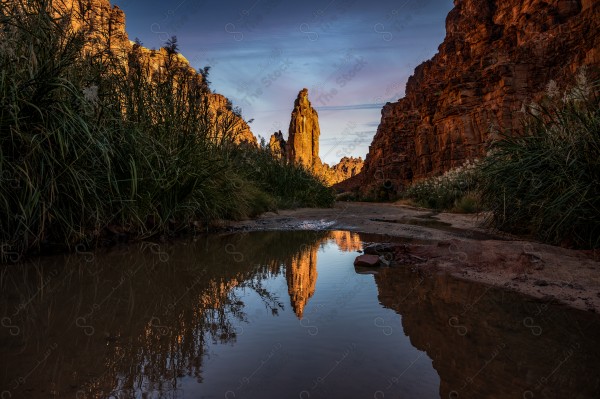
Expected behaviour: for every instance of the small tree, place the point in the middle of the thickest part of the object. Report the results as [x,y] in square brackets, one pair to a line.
[205,82]
[171,46]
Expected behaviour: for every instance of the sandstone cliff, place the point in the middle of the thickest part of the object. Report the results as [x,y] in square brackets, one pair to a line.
[302,146]
[304,132]
[278,146]
[104,28]
[497,55]
[347,167]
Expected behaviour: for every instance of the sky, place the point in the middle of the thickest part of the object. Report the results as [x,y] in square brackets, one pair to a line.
[353,56]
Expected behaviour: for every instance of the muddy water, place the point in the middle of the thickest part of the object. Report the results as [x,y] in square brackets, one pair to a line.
[278,315]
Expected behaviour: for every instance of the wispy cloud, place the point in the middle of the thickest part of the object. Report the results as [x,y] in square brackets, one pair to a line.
[348,107]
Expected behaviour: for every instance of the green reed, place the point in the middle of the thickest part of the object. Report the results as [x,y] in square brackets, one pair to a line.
[546,182]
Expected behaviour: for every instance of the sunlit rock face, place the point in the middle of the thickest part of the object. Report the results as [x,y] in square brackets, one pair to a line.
[277,145]
[302,146]
[304,132]
[104,28]
[497,55]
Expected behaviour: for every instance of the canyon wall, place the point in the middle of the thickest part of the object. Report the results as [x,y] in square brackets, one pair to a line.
[103,26]
[496,57]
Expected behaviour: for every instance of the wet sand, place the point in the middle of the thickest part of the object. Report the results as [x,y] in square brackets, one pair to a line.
[457,244]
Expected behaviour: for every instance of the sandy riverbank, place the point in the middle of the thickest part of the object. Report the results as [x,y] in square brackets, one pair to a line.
[456,244]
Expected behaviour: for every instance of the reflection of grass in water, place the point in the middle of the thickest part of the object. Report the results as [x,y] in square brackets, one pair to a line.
[149,321]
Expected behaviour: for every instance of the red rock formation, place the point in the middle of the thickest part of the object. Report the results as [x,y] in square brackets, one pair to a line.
[277,145]
[104,29]
[302,146]
[304,132]
[497,55]
[347,167]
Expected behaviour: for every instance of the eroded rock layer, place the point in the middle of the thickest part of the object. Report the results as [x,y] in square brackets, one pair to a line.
[497,55]
[104,29]
[278,146]
[347,167]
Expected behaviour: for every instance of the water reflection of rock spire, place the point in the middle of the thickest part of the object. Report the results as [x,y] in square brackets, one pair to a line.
[347,241]
[301,276]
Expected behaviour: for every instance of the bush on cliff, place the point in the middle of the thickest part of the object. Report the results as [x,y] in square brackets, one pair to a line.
[546,182]
[90,144]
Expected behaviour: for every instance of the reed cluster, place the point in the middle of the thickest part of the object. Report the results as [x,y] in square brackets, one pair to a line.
[546,182]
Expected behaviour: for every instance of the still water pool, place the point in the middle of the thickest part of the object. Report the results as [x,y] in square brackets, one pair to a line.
[279,315]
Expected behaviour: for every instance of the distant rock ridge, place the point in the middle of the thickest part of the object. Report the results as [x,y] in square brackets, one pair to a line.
[104,29]
[278,145]
[302,145]
[496,57]
[347,167]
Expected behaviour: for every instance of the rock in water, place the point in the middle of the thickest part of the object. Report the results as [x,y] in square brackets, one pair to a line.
[367,261]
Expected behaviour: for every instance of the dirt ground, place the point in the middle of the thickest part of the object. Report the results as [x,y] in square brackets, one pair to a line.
[457,244]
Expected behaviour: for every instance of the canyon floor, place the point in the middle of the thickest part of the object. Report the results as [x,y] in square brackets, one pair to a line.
[459,245]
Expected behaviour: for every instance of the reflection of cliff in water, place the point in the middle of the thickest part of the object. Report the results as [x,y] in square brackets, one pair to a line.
[347,241]
[128,321]
[488,343]
[301,276]
[301,268]
[132,322]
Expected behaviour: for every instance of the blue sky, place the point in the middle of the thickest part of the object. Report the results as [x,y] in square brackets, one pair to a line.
[352,55]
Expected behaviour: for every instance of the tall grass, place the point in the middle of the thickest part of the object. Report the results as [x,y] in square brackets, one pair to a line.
[92,143]
[290,184]
[546,182]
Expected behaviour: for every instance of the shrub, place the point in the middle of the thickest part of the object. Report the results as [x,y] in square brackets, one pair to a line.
[546,182]
[290,185]
[455,189]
